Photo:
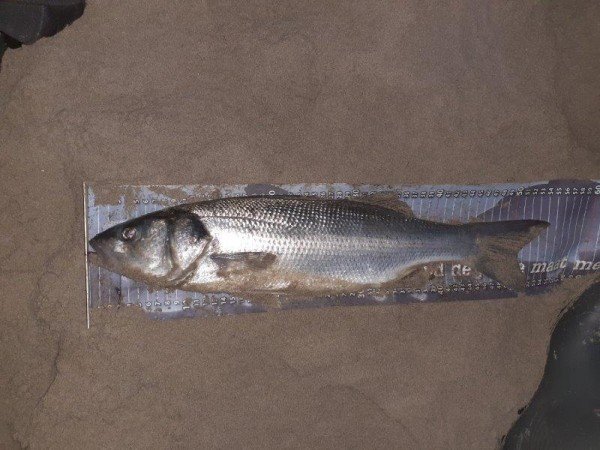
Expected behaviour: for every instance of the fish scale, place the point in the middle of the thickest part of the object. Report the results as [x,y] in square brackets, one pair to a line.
[343,240]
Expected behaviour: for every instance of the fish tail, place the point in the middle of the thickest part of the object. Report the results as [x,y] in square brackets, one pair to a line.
[498,245]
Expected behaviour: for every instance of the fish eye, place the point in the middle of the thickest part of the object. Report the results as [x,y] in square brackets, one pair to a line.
[128,233]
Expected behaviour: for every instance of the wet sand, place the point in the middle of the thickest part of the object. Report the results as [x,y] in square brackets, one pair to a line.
[217,92]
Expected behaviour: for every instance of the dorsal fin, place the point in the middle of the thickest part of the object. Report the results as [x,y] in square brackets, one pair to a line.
[388,200]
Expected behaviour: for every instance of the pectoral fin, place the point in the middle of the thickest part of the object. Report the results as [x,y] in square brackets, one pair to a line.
[230,263]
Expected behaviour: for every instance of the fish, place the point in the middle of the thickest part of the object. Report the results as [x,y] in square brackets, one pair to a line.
[264,246]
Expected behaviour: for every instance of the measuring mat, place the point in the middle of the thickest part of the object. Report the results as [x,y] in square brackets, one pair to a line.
[568,248]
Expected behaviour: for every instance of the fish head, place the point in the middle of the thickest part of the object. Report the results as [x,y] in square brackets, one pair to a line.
[158,248]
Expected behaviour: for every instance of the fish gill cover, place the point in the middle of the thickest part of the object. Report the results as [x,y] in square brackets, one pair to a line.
[568,248]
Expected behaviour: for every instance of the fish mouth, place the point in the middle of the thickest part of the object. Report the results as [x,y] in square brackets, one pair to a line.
[99,257]
[94,255]
[93,243]
[94,258]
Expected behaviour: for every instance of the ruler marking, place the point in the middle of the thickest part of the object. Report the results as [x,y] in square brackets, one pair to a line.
[508,208]
[562,230]
[564,248]
[109,276]
[145,286]
[485,209]
[87,266]
[469,208]
[445,205]
[581,230]
[555,229]
[429,209]
[575,226]
[596,244]
[522,251]
[547,229]
[99,269]
[530,245]
[537,251]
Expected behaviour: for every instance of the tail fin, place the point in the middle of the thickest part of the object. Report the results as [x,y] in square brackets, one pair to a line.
[498,244]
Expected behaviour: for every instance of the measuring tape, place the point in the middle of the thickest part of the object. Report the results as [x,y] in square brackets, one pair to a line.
[568,248]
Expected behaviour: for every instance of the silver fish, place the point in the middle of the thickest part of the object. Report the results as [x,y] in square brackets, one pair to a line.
[303,246]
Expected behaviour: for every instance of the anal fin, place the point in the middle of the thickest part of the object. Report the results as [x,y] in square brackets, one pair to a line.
[413,277]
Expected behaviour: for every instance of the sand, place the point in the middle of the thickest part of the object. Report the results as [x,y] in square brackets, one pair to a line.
[237,92]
